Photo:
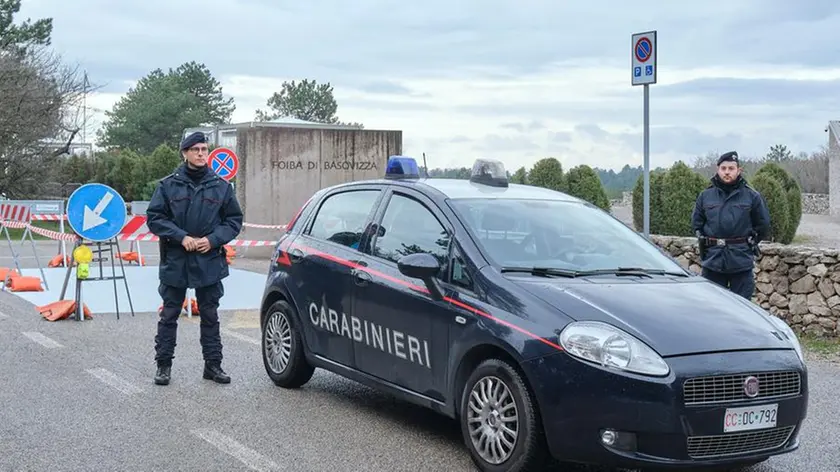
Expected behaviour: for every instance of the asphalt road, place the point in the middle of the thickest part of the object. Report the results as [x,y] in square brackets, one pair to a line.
[80,396]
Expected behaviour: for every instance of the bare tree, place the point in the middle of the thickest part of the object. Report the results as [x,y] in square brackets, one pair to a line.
[39,96]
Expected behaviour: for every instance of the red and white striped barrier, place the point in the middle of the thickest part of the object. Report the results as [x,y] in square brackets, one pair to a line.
[16,213]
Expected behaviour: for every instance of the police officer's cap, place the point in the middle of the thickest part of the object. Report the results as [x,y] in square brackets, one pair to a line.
[731,156]
[192,140]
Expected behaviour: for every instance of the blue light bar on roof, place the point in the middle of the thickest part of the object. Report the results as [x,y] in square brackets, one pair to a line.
[402,167]
[489,172]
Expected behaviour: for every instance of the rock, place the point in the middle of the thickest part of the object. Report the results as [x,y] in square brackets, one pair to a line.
[780,283]
[796,272]
[766,289]
[826,288]
[778,300]
[798,304]
[768,263]
[804,285]
[818,270]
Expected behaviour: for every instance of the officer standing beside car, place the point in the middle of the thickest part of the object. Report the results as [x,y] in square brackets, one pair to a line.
[195,213]
[730,219]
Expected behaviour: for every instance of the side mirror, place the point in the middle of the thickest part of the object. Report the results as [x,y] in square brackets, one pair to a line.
[422,266]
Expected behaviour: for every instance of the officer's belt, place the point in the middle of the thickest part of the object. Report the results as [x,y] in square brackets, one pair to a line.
[724,241]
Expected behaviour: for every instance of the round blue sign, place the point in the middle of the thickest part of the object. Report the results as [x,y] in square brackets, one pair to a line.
[96,212]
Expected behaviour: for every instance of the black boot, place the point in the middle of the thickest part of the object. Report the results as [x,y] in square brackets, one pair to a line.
[163,373]
[213,371]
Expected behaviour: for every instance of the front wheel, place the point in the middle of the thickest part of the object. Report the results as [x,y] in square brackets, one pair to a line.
[499,420]
[282,347]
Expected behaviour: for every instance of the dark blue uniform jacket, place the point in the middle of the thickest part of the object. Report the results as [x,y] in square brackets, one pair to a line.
[179,208]
[730,212]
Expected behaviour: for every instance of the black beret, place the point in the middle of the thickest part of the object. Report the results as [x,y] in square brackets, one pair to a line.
[193,139]
[731,156]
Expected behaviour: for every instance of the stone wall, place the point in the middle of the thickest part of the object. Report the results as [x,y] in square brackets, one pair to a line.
[798,284]
[815,203]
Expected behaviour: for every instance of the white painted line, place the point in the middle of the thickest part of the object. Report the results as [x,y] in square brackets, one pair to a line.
[251,458]
[241,337]
[41,339]
[3,316]
[113,380]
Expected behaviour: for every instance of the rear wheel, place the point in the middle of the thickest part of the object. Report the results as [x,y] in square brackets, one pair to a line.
[499,420]
[282,347]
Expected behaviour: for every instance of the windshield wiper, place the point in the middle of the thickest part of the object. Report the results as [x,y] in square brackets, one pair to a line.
[544,271]
[637,271]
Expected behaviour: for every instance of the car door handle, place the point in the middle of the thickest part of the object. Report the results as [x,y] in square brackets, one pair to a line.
[361,278]
[296,255]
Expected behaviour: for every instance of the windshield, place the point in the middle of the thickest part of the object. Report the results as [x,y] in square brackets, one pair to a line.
[556,234]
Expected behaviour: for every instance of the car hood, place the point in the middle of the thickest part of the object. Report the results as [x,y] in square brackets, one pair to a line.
[673,317]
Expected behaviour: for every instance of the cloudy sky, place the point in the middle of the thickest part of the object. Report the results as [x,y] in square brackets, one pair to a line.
[514,80]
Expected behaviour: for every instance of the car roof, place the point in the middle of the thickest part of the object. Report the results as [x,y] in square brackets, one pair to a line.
[462,188]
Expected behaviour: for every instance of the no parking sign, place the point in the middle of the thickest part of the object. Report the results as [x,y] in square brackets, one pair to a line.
[224,162]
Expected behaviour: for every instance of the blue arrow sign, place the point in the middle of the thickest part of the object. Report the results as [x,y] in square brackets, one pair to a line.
[96,212]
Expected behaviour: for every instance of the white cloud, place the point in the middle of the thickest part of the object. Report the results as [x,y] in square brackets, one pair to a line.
[514,81]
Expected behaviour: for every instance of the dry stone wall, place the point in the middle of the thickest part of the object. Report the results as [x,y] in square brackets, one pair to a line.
[798,284]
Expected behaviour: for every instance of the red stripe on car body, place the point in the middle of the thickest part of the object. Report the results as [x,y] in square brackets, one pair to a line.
[284,259]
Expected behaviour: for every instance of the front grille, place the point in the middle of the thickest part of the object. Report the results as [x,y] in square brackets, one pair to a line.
[709,447]
[730,388]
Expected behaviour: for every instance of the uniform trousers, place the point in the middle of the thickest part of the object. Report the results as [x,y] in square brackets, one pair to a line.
[742,283]
[208,303]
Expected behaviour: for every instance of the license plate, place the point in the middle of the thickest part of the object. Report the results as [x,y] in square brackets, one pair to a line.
[750,418]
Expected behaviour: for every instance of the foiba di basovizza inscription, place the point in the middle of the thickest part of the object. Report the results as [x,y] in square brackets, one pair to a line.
[326,165]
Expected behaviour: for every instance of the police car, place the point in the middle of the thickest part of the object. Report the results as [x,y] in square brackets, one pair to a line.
[545,326]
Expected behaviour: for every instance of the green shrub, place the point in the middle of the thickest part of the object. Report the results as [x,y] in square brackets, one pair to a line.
[793,194]
[777,202]
[547,173]
[656,213]
[583,182]
[680,188]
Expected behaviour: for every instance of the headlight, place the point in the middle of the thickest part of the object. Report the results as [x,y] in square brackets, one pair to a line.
[788,332]
[611,347]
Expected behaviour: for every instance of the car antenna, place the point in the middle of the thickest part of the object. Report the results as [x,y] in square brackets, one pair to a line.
[425,166]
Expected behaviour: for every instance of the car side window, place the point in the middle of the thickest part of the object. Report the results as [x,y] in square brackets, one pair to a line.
[459,274]
[408,227]
[341,218]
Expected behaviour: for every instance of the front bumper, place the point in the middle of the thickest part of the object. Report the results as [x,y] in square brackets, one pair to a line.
[653,425]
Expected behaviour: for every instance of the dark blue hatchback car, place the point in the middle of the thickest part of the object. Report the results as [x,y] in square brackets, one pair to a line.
[544,325]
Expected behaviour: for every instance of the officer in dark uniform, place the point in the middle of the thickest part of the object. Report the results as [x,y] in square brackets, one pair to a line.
[730,219]
[195,213]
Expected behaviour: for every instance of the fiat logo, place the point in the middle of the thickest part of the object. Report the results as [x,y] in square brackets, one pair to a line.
[751,386]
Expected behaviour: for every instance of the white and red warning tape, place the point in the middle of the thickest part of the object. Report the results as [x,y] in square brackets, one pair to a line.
[47,217]
[132,231]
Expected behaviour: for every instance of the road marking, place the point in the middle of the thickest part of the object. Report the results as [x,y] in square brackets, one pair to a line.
[41,339]
[251,458]
[3,316]
[113,380]
[241,337]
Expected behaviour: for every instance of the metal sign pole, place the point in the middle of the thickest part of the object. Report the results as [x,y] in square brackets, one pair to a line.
[644,72]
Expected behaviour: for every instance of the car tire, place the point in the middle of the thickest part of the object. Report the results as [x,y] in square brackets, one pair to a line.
[529,449]
[282,347]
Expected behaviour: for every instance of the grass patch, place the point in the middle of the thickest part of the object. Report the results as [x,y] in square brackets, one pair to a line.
[801,239]
[820,346]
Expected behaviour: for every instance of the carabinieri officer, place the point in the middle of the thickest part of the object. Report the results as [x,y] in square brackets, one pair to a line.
[195,213]
[730,219]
